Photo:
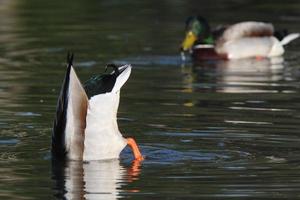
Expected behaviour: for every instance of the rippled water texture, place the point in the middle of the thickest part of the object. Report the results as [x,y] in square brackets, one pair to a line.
[214,130]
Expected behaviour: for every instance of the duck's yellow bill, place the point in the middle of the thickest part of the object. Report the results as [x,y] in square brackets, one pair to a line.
[188,41]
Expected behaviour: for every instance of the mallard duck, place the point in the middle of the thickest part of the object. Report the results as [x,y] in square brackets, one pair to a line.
[240,40]
[85,126]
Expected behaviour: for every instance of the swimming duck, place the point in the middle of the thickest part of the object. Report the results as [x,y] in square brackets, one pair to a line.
[85,127]
[240,40]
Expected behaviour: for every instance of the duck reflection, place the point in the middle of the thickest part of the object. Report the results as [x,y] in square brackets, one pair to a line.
[234,76]
[92,180]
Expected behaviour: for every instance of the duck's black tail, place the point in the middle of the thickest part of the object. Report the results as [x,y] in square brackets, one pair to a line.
[285,37]
[280,34]
[103,83]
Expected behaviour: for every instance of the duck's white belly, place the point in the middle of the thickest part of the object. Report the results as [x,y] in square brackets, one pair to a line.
[251,46]
[103,139]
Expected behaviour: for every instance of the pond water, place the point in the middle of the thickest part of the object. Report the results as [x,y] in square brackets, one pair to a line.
[212,130]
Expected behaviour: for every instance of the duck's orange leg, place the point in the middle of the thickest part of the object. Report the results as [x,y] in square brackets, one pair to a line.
[135,149]
[259,58]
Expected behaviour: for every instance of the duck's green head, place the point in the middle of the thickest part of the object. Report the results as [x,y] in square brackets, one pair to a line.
[197,30]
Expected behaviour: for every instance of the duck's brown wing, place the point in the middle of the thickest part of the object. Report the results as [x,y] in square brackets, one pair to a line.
[70,119]
[246,29]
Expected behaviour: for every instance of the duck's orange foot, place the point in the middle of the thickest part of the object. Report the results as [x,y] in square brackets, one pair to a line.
[135,149]
[259,58]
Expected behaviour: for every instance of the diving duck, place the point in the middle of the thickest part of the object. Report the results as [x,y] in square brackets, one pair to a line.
[85,126]
[240,40]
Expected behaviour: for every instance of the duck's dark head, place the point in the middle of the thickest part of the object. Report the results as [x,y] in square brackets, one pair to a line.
[197,31]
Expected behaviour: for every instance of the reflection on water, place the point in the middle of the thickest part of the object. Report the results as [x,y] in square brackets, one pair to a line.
[236,76]
[241,78]
[92,180]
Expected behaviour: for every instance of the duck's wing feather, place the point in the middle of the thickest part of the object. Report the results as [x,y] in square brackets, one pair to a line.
[59,126]
[247,29]
[69,123]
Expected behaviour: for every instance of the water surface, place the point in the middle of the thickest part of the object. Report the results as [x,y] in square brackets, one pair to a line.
[211,130]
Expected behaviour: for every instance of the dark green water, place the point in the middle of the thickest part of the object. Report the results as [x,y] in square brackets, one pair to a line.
[217,130]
